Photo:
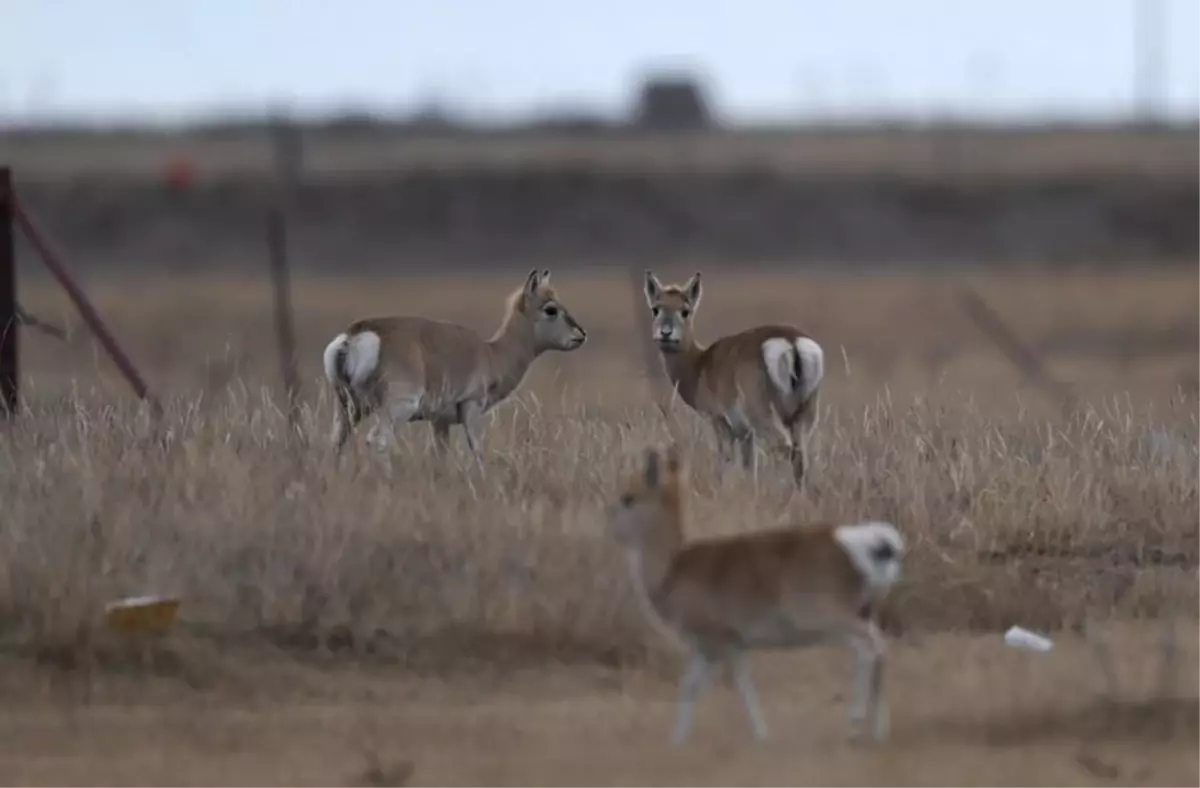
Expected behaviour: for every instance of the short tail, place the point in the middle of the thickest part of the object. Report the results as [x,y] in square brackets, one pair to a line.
[795,367]
[352,358]
[875,548]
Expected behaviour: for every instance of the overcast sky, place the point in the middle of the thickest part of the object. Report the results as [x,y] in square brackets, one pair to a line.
[762,59]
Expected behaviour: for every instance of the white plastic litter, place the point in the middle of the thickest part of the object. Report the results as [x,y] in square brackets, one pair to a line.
[1018,637]
[139,601]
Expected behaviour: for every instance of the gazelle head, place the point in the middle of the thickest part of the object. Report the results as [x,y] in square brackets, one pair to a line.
[673,308]
[650,499]
[553,326]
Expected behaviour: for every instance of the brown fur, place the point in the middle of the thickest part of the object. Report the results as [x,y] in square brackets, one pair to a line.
[719,597]
[716,583]
[713,587]
[728,381]
[445,373]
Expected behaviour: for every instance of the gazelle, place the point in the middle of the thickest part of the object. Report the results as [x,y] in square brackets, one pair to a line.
[784,588]
[759,383]
[416,369]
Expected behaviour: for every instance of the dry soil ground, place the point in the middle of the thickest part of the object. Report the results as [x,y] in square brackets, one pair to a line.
[380,621]
[966,711]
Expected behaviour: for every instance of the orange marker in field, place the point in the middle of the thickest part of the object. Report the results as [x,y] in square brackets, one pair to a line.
[179,172]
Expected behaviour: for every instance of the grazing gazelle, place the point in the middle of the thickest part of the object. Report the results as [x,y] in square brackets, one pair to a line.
[720,598]
[417,369]
[758,383]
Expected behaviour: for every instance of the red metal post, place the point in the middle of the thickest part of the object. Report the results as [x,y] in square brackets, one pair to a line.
[9,321]
[86,310]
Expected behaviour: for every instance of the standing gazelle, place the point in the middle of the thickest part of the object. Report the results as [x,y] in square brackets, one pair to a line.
[417,369]
[784,588]
[758,383]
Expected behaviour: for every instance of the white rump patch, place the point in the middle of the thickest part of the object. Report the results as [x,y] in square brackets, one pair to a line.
[812,366]
[362,357]
[777,355]
[875,548]
[780,355]
[331,351]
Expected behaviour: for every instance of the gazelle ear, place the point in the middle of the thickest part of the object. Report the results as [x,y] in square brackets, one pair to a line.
[652,470]
[545,280]
[531,284]
[693,291]
[654,287]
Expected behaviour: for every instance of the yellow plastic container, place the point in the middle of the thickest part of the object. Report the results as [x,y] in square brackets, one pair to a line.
[141,614]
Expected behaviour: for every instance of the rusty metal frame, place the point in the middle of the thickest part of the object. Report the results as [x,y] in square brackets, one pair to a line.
[13,214]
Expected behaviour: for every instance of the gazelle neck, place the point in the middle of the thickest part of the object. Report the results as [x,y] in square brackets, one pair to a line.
[652,556]
[512,350]
[650,566]
[682,367]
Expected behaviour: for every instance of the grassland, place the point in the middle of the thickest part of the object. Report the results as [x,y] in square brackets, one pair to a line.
[344,619]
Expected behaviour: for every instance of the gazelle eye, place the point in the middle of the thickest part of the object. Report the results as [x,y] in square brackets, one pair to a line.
[685,313]
[550,311]
[627,500]
[654,311]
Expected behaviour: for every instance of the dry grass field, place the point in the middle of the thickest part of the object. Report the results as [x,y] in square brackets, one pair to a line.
[382,620]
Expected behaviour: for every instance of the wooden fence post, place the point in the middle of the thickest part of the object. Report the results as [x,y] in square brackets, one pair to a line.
[9,323]
[287,164]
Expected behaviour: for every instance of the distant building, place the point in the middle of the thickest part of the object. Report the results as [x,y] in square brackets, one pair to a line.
[672,103]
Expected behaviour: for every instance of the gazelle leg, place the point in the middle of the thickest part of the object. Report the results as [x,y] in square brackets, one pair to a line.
[343,422]
[745,444]
[745,687]
[799,459]
[471,414]
[725,444]
[349,412]
[441,436]
[695,679]
[802,431]
[778,437]
[397,410]
[868,702]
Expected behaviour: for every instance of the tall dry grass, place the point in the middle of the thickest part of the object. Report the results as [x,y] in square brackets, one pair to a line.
[1015,513]
[1011,520]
